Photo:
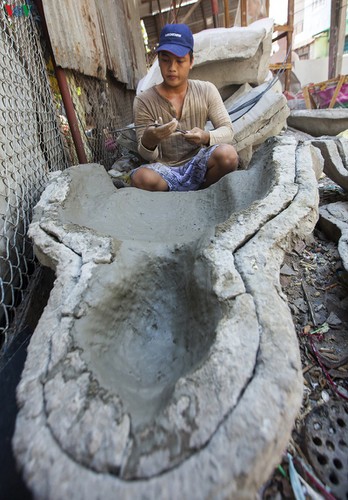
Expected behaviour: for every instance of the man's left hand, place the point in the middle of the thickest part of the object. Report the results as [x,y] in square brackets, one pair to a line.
[197,136]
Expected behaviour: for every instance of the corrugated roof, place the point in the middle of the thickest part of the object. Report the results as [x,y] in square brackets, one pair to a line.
[93,36]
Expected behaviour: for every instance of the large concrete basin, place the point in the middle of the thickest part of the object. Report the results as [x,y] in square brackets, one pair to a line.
[166,362]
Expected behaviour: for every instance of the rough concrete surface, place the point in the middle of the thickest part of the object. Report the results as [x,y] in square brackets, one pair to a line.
[319,122]
[335,153]
[334,223]
[334,216]
[166,361]
[259,120]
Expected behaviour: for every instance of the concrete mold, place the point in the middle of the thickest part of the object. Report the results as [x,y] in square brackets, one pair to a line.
[166,362]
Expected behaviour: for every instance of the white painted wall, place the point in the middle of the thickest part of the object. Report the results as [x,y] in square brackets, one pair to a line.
[316,70]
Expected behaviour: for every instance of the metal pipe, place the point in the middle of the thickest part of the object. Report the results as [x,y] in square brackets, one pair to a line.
[65,92]
[215,11]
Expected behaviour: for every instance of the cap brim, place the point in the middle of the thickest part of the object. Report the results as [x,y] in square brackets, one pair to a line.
[177,50]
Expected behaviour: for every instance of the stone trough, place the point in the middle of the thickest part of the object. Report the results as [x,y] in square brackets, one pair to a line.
[166,362]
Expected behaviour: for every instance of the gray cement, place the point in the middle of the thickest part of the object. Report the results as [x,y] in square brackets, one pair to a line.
[166,363]
[334,216]
[335,153]
[318,122]
[334,223]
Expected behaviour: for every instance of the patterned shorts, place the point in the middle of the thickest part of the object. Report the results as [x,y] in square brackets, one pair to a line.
[187,177]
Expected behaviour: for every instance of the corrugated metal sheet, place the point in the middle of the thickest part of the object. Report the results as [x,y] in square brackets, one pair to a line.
[122,39]
[93,36]
[201,18]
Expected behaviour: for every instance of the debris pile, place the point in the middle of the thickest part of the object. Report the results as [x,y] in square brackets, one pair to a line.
[314,277]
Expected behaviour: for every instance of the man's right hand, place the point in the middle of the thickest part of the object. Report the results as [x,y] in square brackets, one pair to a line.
[154,134]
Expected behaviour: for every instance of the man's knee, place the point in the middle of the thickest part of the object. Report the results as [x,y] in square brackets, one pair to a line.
[226,157]
[145,178]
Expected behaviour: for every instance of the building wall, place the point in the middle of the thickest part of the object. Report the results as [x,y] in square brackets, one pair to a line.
[311,18]
[316,70]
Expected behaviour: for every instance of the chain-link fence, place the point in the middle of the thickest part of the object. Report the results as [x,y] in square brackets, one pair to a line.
[101,108]
[30,148]
[35,138]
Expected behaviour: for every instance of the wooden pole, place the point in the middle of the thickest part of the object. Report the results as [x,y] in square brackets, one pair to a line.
[289,34]
[204,17]
[243,12]
[160,13]
[337,35]
[192,9]
[341,36]
[227,13]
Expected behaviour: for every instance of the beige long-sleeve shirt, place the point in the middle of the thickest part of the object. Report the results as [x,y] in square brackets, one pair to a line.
[201,104]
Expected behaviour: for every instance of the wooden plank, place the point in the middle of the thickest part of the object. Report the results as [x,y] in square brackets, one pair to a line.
[283,27]
[337,90]
[192,9]
[277,66]
[307,97]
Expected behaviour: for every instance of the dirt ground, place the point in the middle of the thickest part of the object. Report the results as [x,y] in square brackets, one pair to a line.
[316,284]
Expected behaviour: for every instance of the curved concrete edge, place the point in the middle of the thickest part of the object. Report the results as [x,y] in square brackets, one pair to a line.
[334,216]
[333,222]
[249,442]
[319,122]
[334,151]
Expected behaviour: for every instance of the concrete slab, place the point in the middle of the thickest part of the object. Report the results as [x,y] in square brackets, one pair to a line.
[226,56]
[319,122]
[166,362]
[334,151]
[333,221]
[264,117]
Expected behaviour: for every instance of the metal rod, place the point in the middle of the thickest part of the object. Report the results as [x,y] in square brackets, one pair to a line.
[133,127]
[215,11]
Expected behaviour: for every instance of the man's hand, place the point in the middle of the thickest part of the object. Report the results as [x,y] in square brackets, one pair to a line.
[197,136]
[154,134]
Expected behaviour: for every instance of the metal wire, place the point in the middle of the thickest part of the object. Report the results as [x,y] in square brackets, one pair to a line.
[30,148]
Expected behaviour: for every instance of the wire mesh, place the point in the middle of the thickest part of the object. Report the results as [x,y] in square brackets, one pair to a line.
[30,148]
[101,107]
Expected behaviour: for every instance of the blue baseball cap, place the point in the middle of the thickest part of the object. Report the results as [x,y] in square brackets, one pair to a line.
[177,39]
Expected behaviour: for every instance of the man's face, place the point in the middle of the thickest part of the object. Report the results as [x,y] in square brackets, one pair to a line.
[174,69]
